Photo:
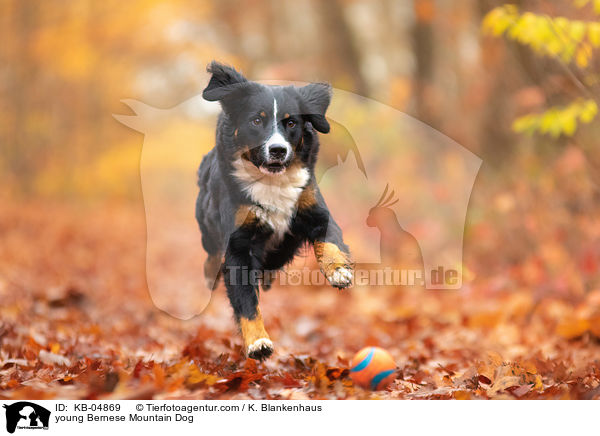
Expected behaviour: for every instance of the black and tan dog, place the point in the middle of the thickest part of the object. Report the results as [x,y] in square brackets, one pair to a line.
[259,202]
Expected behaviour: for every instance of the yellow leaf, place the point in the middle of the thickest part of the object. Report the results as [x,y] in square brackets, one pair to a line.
[462,395]
[550,123]
[581,58]
[594,34]
[584,53]
[569,125]
[195,377]
[588,111]
[538,385]
[577,30]
[505,382]
[529,366]
[525,124]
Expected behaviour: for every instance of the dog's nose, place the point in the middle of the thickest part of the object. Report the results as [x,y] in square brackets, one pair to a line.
[277,152]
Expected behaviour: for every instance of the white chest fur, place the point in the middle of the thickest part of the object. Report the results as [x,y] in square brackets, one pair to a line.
[276,194]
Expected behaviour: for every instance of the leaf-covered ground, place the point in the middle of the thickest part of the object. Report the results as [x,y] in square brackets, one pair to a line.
[77,322]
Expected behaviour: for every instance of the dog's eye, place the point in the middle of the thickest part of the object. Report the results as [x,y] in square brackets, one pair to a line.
[257,121]
[291,124]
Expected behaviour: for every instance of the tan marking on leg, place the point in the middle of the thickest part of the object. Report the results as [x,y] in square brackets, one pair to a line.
[253,329]
[257,343]
[334,263]
[329,256]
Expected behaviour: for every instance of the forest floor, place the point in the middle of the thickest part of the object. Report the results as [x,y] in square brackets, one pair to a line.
[77,321]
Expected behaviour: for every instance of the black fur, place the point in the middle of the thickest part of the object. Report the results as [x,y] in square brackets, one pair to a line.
[301,112]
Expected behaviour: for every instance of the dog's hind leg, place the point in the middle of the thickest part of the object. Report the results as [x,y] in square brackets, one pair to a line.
[206,216]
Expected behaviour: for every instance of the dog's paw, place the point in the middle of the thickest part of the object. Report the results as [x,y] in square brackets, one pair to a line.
[341,277]
[260,349]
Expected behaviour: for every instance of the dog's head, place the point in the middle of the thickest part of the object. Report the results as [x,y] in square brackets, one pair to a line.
[268,121]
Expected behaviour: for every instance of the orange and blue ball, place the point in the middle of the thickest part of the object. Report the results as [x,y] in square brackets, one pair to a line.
[373,368]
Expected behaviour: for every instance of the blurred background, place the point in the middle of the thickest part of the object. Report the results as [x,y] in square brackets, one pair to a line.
[516,84]
[66,66]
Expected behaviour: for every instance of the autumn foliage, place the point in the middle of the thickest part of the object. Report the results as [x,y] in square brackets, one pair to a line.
[515,84]
[77,322]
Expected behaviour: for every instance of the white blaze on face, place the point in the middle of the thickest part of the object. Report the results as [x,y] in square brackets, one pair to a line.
[275,193]
[276,137]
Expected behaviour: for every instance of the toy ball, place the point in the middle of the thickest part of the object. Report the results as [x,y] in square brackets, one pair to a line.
[372,368]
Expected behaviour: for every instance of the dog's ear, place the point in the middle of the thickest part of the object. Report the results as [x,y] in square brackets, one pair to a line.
[315,99]
[224,81]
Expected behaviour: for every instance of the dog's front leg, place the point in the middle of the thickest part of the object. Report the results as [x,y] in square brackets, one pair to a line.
[326,236]
[332,254]
[241,273]
[334,263]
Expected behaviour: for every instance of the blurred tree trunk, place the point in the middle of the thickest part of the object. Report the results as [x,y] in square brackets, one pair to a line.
[228,11]
[423,46]
[95,115]
[495,134]
[496,137]
[340,54]
[19,146]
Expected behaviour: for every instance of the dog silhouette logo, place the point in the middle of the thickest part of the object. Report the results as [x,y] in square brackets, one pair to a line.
[26,415]
[417,224]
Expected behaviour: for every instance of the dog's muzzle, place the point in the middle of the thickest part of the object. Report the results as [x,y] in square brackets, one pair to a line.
[278,156]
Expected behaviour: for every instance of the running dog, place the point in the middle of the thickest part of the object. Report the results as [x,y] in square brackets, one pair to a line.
[259,202]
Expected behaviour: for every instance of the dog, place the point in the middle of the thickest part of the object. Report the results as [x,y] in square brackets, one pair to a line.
[258,202]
